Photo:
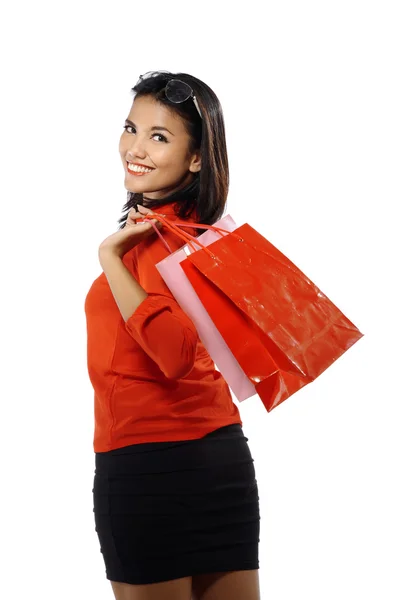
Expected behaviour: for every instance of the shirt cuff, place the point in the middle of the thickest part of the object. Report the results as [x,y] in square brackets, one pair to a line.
[166,334]
[150,307]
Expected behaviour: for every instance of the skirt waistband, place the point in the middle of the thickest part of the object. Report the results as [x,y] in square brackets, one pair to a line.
[226,445]
[229,431]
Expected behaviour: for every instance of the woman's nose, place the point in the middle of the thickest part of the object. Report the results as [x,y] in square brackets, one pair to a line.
[137,147]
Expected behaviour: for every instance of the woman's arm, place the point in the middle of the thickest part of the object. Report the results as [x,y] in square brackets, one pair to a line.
[152,316]
[127,292]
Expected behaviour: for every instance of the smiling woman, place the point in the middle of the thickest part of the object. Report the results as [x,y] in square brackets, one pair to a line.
[175,494]
[162,162]
[182,142]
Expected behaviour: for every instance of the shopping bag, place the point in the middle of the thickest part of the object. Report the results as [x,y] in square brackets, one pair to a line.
[283,331]
[183,291]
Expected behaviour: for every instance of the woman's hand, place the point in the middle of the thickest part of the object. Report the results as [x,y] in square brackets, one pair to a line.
[131,235]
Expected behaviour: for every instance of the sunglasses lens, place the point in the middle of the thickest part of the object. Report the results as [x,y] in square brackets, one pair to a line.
[178,91]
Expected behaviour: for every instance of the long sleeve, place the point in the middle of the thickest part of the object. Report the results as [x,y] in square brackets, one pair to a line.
[159,325]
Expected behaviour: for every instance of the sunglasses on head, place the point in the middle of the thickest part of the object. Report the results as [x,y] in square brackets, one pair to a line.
[176,91]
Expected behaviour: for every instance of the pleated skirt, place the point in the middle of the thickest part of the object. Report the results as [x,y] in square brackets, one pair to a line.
[168,510]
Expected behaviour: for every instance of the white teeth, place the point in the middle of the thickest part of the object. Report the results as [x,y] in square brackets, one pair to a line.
[138,169]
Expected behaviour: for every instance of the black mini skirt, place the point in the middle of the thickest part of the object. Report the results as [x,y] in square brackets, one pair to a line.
[168,510]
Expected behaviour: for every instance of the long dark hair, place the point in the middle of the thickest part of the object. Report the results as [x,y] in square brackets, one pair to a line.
[205,196]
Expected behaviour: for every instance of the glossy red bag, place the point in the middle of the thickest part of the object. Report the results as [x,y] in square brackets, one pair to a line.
[283,331]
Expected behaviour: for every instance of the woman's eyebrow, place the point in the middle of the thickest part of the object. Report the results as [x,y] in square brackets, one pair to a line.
[128,122]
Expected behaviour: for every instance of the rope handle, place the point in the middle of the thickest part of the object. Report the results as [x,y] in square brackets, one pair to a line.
[198,226]
[185,237]
[174,226]
[190,240]
[209,228]
[164,241]
[201,226]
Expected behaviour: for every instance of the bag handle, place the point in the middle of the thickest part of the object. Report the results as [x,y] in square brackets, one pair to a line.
[184,236]
[190,240]
[174,226]
[199,226]
[164,241]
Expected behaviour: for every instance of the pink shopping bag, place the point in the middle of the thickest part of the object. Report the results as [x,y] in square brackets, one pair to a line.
[181,288]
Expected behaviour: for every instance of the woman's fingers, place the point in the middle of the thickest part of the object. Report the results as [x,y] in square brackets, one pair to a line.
[132,217]
[139,215]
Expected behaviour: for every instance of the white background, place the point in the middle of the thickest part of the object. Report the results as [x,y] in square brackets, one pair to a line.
[310,92]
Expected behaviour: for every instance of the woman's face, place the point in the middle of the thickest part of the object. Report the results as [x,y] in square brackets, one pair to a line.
[156,137]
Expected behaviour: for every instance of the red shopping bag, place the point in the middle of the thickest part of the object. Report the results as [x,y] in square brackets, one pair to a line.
[181,288]
[283,331]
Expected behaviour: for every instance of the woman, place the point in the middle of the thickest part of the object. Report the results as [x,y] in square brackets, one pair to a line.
[175,494]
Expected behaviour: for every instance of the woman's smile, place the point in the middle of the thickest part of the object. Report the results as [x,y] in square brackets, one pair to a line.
[138,170]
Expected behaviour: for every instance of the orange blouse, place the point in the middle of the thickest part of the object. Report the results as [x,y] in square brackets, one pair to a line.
[153,379]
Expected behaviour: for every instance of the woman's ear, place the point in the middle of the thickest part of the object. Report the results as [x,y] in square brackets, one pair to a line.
[195,164]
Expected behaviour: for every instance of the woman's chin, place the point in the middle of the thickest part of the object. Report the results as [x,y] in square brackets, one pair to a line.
[136,188]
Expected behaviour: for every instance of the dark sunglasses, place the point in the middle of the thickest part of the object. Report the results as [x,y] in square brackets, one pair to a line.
[176,91]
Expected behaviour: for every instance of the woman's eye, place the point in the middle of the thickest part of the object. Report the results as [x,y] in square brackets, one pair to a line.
[163,138]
